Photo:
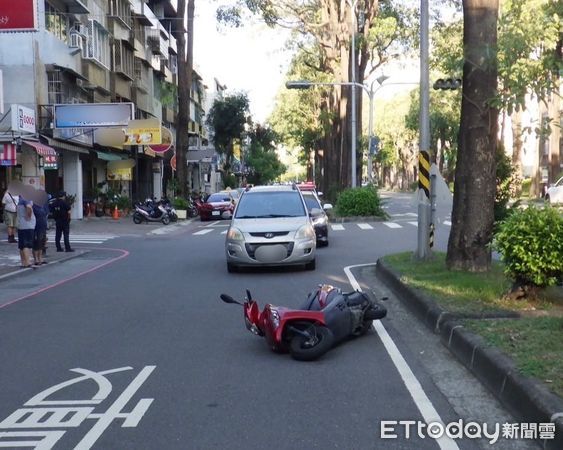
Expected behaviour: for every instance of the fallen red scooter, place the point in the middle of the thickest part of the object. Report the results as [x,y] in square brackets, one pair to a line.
[326,318]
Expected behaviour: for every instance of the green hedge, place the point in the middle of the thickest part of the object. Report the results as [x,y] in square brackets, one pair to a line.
[364,201]
[531,244]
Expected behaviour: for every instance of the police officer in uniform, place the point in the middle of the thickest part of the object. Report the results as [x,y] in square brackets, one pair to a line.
[61,214]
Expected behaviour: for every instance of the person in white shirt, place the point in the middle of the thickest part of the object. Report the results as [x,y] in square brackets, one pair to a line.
[10,203]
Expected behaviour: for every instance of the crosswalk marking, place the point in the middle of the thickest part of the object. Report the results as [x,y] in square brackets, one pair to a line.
[224,232]
[203,231]
[337,227]
[392,225]
[414,224]
[365,226]
[447,223]
[83,238]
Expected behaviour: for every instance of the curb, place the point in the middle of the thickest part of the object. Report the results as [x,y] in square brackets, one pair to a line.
[526,398]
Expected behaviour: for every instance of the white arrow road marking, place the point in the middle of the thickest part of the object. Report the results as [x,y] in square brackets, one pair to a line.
[412,384]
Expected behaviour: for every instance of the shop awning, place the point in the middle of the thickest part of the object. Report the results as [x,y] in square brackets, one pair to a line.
[63,145]
[8,155]
[108,156]
[41,149]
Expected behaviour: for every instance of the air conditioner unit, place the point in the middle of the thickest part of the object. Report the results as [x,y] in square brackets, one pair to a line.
[75,40]
[80,83]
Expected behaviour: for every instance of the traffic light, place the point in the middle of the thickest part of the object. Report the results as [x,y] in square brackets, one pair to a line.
[447,84]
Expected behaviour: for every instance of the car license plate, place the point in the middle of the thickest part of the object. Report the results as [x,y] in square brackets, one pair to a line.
[215,213]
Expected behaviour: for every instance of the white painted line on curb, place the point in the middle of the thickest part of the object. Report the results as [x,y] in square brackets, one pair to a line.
[337,227]
[203,232]
[412,384]
[392,225]
[365,226]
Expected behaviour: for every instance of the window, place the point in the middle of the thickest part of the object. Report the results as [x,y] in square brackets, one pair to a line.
[54,87]
[123,59]
[56,22]
[97,46]
[122,10]
[270,205]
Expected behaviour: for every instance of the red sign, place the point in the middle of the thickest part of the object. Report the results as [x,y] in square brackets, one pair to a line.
[173,162]
[18,15]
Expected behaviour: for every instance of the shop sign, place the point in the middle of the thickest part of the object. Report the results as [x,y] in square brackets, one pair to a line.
[23,119]
[167,141]
[50,162]
[20,15]
[84,136]
[120,174]
[93,115]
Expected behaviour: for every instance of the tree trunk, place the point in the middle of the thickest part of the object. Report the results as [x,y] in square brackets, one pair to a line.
[185,64]
[475,184]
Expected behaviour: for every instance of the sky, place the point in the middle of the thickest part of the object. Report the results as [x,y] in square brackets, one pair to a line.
[250,59]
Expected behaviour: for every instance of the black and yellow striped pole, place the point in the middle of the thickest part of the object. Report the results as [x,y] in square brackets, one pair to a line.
[425,228]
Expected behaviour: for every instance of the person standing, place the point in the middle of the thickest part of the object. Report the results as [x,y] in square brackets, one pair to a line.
[39,234]
[61,214]
[10,203]
[26,228]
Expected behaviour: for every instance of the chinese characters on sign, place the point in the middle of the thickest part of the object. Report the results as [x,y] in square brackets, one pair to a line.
[20,15]
[43,421]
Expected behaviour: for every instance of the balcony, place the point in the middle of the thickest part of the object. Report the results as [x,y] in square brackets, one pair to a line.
[76,6]
[157,41]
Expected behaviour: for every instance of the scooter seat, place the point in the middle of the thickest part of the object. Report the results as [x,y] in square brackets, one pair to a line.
[356,298]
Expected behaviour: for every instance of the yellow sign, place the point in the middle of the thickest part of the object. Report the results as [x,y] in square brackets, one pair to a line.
[143,132]
[236,149]
[120,174]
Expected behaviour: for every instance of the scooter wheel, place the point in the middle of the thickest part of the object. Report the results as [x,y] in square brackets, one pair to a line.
[310,348]
[166,219]
[137,218]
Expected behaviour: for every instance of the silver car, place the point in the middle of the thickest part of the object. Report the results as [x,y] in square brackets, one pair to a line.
[270,227]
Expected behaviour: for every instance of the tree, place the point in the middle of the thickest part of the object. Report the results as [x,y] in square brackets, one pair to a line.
[227,118]
[475,180]
[185,75]
[327,24]
[261,158]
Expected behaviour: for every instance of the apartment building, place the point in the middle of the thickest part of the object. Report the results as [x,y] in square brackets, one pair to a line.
[56,52]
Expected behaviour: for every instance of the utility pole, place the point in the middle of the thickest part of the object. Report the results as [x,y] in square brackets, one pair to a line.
[424,192]
[352,4]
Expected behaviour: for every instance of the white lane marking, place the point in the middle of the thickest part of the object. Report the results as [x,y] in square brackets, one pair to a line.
[337,227]
[447,223]
[412,384]
[392,225]
[365,226]
[405,214]
[414,224]
[212,224]
[203,232]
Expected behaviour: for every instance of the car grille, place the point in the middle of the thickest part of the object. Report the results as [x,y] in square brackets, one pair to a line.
[270,234]
[251,248]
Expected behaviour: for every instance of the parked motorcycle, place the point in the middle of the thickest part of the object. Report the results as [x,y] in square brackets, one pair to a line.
[328,317]
[150,212]
[169,209]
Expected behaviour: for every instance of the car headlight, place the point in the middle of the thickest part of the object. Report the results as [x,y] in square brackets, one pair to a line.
[320,220]
[305,232]
[235,234]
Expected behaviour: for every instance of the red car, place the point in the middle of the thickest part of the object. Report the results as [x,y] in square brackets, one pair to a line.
[217,206]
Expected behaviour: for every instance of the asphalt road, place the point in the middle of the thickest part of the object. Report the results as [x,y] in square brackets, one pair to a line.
[129,347]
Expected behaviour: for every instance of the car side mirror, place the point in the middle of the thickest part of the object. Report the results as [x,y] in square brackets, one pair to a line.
[327,206]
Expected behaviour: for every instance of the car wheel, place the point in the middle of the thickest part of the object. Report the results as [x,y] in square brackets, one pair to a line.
[311,265]
[231,268]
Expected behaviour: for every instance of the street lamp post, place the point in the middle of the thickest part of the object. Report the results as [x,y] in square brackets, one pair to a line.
[352,4]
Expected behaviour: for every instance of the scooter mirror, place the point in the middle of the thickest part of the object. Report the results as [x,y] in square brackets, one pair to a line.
[248,295]
[228,299]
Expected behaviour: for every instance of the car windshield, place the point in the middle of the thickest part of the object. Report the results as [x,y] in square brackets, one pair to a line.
[270,204]
[218,198]
[311,202]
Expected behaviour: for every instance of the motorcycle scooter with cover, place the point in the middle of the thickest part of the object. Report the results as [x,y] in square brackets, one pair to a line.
[327,318]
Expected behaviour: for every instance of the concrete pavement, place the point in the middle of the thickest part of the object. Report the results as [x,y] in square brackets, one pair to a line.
[91,230]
